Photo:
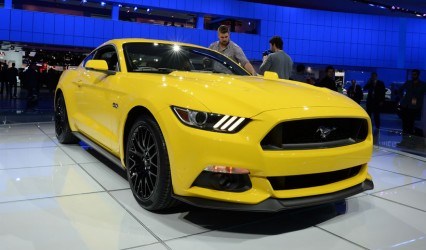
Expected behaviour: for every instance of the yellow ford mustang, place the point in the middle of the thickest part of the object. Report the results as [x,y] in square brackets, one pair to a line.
[189,124]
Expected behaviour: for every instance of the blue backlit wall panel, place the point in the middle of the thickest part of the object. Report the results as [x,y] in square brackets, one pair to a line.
[310,36]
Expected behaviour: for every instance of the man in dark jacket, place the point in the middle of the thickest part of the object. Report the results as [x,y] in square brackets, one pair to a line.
[12,74]
[3,78]
[328,81]
[31,76]
[355,92]
[411,103]
[375,98]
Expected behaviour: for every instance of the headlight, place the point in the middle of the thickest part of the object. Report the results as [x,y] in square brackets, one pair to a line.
[210,121]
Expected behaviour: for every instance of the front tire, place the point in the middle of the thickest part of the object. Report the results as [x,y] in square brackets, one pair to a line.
[62,126]
[147,164]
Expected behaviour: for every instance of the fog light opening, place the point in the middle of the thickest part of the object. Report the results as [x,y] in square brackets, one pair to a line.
[228,182]
[224,178]
[224,181]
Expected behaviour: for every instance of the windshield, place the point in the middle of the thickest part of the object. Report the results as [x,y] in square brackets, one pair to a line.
[166,58]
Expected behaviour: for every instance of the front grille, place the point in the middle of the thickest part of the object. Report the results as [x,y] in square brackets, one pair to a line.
[316,133]
[312,180]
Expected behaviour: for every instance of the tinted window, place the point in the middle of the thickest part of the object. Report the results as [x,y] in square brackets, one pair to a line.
[165,58]
[108,54]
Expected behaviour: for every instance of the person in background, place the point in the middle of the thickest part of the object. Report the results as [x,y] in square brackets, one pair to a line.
[12,74]
[355,92]
[375,98]
[231,49]
[300,74]
[278,61]
[411,104]
[3,78]
[32,78]
[328,81]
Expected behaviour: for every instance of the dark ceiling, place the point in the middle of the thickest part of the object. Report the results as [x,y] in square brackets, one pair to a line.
[351,6]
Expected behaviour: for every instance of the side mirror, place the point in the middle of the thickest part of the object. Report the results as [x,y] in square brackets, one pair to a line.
[99,65]
[270,75]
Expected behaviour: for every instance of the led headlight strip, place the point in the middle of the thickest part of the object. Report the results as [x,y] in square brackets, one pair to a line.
[231,122]
[210,121]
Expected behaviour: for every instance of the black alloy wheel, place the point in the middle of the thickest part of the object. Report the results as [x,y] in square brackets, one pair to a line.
[62,127]
[147,164]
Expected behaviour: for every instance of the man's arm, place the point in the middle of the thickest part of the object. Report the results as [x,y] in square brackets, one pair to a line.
[359,93]
[266,65]
[383,90]
[242,59]
[250,68]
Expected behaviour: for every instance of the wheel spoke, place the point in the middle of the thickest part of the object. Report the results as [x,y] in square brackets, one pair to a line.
[152,176]
[136,153]
[148,186]
[152,156]
[139,185]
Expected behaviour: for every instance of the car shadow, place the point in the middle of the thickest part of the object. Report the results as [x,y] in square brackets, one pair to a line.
[259,223]
[264,223]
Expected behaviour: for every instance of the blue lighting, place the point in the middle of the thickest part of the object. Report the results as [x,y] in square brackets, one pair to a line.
[103,4]
[135,8]
[120,5]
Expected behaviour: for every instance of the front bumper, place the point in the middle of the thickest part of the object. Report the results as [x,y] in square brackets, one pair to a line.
[192,150]
[275,205]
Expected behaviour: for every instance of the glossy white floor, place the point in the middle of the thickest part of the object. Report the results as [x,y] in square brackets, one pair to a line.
[63,197]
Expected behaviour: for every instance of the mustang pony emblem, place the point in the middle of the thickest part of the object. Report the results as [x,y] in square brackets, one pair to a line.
[324,131]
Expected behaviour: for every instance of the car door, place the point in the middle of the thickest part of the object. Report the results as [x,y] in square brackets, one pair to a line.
[94,100]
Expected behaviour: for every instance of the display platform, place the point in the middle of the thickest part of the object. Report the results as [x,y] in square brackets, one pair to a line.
[54,196]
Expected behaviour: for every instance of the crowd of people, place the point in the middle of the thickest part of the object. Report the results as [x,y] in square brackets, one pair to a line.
[31,80]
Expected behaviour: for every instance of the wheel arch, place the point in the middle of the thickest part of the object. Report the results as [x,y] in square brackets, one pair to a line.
[70,108]
[133,114]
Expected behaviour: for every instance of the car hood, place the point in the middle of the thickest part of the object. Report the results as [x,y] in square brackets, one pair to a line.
[250,96]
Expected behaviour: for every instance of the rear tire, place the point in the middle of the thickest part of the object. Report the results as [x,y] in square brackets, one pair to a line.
[62,127]
[148,167]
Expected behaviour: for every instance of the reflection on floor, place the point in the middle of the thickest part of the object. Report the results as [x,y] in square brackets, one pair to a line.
[394,139]
[55,196]
[23,109]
